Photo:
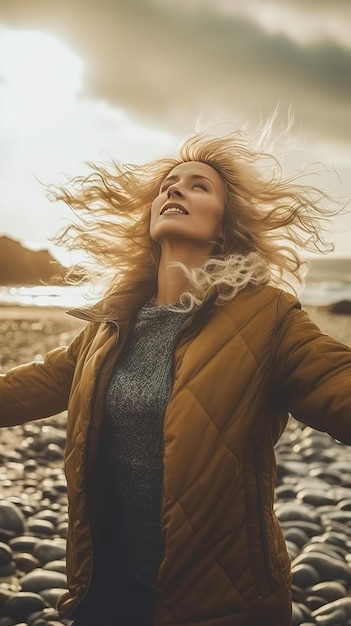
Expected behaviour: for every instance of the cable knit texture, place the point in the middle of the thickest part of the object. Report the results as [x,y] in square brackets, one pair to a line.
[132,436]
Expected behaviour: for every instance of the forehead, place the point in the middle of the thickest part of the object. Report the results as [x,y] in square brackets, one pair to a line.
[196,168]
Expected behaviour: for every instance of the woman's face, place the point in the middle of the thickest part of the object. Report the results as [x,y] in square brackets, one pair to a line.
[189,206]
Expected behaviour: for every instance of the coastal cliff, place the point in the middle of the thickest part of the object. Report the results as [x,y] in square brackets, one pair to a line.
[21,266]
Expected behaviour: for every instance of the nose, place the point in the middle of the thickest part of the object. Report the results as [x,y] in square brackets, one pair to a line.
[174,191]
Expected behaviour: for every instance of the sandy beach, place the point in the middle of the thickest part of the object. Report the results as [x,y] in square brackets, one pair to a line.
[27,333]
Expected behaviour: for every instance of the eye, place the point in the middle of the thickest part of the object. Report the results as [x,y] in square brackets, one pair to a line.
[200,186]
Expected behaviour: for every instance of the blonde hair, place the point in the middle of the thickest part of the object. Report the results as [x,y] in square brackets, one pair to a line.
[267,217]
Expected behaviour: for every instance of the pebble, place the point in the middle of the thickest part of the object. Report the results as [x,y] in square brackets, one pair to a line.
[50,550]
[22,604]
[33,526]
[330,590]
[314,511]
[39,579]
[12,520]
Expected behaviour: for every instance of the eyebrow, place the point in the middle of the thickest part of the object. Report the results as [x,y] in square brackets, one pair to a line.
[192,177]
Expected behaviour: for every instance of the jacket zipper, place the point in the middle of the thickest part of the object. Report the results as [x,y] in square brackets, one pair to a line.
[93,453]
[262,527]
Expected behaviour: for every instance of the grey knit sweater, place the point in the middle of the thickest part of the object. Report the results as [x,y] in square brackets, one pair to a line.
[132,437]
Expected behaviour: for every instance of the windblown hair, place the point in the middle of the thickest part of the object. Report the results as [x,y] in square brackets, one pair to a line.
[267,218]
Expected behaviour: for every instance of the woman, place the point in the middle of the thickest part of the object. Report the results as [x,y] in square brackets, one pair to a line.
[180,385]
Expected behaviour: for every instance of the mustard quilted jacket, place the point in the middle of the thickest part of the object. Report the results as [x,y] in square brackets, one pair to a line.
[239,370]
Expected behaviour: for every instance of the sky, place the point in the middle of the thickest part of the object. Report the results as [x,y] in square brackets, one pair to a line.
[88,80]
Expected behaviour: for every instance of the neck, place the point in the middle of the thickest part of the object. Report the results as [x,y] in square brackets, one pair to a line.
[171,281]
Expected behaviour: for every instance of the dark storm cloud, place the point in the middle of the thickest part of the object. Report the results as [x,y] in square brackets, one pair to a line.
[169,62]
[323,4]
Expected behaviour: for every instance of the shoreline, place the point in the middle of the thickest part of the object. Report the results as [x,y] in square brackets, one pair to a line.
[28,332]
[31,310]
[331,323]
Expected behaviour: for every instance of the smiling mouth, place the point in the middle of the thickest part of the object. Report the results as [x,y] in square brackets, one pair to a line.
[174,208]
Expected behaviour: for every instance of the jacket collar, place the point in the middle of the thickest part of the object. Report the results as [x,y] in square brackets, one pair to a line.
[117,306]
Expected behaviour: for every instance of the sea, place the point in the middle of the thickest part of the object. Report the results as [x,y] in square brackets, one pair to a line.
[327,281]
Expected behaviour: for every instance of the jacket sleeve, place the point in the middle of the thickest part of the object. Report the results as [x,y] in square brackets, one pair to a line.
[312,372]
[38,389]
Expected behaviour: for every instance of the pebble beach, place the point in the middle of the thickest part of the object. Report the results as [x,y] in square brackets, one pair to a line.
[313,494]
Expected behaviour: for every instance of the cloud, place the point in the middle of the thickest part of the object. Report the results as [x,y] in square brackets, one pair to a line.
[307,23]
[168,63]
[319,4]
